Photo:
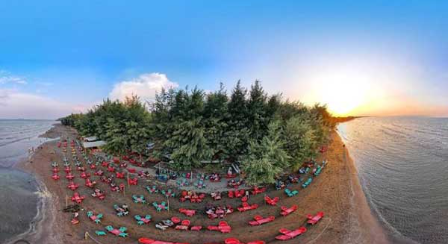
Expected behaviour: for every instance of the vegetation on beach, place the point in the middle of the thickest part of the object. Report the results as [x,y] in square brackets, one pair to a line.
[266,134]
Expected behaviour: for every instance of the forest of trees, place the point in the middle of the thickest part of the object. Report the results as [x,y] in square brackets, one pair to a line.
[265,134]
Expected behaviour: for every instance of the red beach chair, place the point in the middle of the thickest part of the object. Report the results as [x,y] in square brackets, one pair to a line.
[67,169]
[72,186]
[196,228]
[133,182]
[99,194]
[175,220]
[55,176]
[246,207]
[89,183]
[288,234]
[271,201]
[69,176]
[257,190]
[144,240]
[312,220]
[222,227]
[236,241]
[258,220]
[85,175]
[119,175]
[286,211]
[77,198]
[187,212]
[184,225]
[110,169]
[239,193]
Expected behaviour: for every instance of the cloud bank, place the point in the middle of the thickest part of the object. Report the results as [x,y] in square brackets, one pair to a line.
[15,104]
[145,86]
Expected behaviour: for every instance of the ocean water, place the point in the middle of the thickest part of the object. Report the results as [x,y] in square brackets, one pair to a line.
[403,168]
[19,199]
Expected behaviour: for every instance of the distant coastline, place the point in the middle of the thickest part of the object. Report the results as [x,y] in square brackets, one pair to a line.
[344,119]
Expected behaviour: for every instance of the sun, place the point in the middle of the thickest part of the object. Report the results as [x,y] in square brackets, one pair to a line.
[343,97]
[341,90]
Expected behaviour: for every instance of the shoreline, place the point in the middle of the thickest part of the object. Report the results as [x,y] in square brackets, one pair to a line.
[364,213]
[392,235]
[41,228]
[350,218]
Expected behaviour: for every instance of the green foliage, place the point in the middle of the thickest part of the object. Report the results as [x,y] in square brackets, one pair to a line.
[267,159]
[123,125]
[215,116]
[267,135]
[238,133]
[299,138]
[189,145]
[257,112]
[71,120]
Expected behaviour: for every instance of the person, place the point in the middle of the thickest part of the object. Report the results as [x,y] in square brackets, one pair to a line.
[30,155]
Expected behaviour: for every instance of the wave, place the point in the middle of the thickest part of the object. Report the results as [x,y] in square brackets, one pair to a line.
[44,198]
[20,215]
[14,141]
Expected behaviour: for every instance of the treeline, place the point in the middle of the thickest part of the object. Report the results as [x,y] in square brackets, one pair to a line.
[266,134]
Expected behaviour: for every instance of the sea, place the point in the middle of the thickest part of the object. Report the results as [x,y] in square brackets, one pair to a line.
[403,168]
[19,191]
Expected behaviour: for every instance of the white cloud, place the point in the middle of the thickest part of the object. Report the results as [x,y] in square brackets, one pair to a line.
[15,104]
[145,86]
[6,77]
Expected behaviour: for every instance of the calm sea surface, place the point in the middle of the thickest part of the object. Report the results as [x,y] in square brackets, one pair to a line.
[403,167]
[18,190]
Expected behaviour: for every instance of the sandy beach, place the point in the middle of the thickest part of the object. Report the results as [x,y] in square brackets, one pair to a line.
[337,192]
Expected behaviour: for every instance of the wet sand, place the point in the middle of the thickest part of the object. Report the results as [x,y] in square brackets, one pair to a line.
[336,192]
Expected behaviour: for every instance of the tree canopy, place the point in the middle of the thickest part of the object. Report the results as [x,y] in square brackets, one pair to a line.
[265,134]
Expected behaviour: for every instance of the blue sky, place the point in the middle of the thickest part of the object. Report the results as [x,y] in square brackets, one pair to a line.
[57,57]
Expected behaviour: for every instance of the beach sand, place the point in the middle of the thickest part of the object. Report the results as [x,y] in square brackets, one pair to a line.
[337,192]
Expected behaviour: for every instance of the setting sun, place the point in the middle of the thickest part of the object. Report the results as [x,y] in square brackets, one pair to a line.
[343,90]
[343,97]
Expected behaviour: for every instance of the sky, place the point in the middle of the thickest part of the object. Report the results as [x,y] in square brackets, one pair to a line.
[380,58]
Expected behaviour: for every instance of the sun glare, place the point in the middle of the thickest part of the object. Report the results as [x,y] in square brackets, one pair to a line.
[342,97]
[342,91]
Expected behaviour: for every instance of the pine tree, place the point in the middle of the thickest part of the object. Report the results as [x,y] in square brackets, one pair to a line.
[266,160]
[300,140]
[215,116]
[257,112]
[189,145]
[238,133]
